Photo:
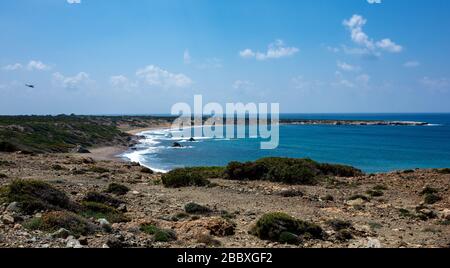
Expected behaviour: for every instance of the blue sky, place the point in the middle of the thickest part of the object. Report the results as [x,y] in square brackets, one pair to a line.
[142,56]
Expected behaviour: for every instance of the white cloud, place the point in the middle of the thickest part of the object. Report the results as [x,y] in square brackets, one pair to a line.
[275,50]
[187,57]
[155,76]
[71,82]
[242,84]
[304,86]
[355,25]
[359,82]
[411,64]
[122,82]
[388,45]
[374,1]
[31,66]
[74,1]
[440,84]
[13,67]
[210,63]
[333,49]
[37,65]
[347,67]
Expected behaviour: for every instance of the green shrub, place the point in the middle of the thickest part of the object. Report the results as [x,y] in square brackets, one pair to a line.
[103,199]
[289,238]
[33,196]
[328,197]
[245,171]
[117,189]
[359,196]
[286,170]
[193,208]
[344,235]
[102,211]
[444,171]
[375,193]
[53,221]
[432,199]
[338,225]
[97,169]
[272,225]
[429,190]
[146,170]
[380,187]
[159,235]
[184,177]
[339,170]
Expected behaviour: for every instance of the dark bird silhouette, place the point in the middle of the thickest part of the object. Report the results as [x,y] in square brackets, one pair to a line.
[30,86]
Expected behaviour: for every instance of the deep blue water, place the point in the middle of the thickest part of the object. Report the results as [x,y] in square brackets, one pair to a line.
[370,148]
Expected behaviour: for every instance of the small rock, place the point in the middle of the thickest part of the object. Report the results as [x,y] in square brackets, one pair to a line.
[104,223]
[38,215]
[177,145]
[445,214]
[135,192]
[356,202]
[373,243]
[71,242]
[122,208]
[13,207]
[61,233]
[7,219]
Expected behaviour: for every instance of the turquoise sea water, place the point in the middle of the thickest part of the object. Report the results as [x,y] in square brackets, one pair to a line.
[370,148]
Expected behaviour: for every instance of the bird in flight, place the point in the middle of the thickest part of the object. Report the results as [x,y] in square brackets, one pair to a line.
[30,86]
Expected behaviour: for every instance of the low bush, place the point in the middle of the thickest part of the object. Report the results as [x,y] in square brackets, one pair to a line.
[33,196]
[97,169]
[159,235]
[444,171]
[286,170]
[103,199]
[146,170]
[2,176]
[184,177]
[429,190]
[375,193]
[117,189]
[431,199]
[53,221]
[430,195]
[359,196]
[102,211]
[275,226]
[193,208]
[339,225]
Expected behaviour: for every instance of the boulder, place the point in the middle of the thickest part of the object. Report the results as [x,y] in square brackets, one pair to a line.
[8,219]
[373,243]
[105,224]
[176,145]
[192,140]
[71,242]
[61,233]
[13,207]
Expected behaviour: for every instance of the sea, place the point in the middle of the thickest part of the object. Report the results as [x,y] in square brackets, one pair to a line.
[373,149]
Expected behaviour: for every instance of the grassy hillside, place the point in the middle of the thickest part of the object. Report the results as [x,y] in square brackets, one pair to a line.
[62,133]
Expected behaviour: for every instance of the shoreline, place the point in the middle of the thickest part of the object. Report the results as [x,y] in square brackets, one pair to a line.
[118,152]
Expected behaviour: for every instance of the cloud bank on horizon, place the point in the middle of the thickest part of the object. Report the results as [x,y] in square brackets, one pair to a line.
[364,56]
